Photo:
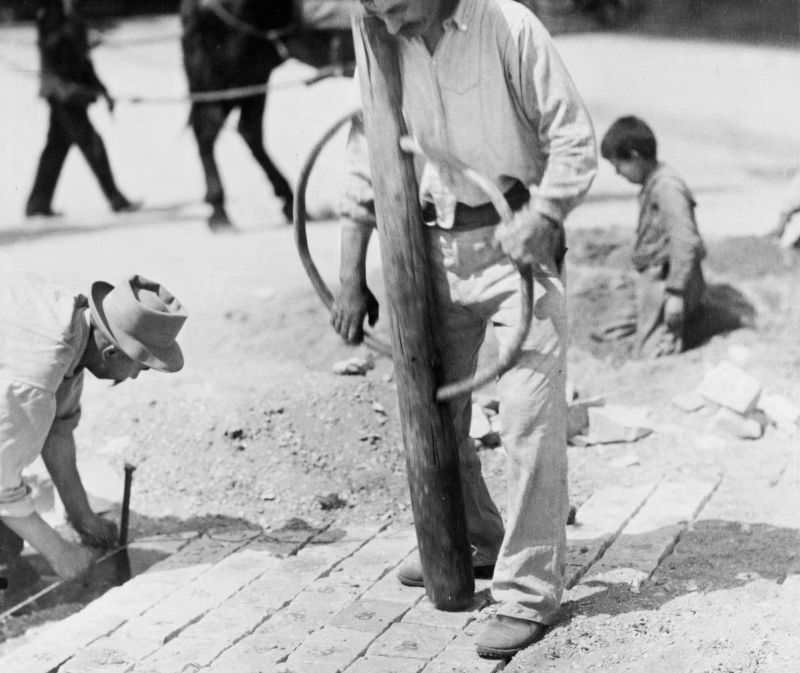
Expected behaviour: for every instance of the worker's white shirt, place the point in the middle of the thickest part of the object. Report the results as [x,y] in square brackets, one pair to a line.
[496,97]
[43,335]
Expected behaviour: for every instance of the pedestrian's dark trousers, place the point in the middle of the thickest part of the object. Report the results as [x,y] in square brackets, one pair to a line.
[70,124]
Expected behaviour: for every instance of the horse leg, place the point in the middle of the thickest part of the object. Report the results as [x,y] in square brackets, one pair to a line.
[251,129]
[207,120]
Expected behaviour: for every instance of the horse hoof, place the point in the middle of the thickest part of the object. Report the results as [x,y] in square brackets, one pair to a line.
[220,224]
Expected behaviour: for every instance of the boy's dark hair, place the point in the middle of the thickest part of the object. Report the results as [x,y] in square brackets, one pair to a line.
[626,136]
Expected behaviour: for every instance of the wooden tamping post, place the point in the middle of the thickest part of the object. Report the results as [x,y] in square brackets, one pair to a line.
[431,452]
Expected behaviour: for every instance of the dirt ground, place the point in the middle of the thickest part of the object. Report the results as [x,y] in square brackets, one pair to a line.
[257,429]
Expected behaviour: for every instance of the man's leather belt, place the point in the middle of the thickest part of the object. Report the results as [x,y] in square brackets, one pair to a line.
[484,215]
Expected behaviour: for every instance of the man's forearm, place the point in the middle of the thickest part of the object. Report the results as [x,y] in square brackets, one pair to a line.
[354,244]
[60,460]
[37,533]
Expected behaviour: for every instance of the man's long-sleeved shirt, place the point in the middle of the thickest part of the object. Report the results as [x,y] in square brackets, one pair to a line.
[667,231]
[43,335]
[496,97]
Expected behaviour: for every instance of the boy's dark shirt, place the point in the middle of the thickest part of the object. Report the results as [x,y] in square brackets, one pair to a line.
[667,232]
[67,73]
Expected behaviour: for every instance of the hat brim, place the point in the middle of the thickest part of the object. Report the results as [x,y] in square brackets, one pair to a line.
[168,359]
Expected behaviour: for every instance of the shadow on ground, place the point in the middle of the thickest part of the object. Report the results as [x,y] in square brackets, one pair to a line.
[64,226]
[31,574]
[712,555]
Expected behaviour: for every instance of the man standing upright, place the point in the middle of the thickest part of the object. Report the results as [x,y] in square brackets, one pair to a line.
[47,338]
[69,84]
[483,85]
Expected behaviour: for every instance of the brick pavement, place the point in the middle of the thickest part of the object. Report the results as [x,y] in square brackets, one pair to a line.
[299,600]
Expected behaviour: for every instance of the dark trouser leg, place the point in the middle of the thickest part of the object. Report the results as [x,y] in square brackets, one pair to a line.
[10,544]
[50,163]
[75,120]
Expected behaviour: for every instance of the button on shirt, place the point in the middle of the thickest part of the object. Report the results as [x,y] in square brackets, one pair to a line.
[43,335]
[494,96]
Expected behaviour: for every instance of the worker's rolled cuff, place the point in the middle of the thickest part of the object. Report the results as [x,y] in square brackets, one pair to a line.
[16,502]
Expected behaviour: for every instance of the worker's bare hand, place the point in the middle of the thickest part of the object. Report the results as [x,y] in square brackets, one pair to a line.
[531,239]
[71,561]
[96,531]
[353,303]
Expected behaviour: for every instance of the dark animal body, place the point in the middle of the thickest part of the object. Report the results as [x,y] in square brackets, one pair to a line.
[238,43]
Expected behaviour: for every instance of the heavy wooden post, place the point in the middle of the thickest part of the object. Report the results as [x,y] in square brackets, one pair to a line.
[431,451]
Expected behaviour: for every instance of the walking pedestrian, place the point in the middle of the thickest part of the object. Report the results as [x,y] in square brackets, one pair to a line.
[69,84]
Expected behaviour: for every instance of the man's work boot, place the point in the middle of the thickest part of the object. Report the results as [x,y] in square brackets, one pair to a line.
[410,572]
[504,636]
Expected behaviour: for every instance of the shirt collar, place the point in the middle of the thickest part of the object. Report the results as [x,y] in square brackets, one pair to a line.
[82,332]
[651,179]
[461,15]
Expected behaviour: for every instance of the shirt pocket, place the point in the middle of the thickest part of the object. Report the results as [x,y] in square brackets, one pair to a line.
[459,83]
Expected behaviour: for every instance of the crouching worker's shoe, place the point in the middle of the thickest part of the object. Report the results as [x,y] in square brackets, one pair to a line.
[504,636]
[410,572]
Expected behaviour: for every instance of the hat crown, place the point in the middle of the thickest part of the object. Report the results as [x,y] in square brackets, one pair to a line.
[143,319]
[145,311]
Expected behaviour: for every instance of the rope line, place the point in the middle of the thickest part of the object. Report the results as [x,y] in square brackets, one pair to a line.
[212,96]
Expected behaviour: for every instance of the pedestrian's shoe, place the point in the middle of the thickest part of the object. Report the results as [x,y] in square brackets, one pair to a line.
[410,572]
[504,636]
[122,205]
[41,212]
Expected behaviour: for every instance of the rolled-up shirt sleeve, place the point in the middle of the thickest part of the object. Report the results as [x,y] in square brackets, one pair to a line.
[26,415]
[357,202]
[30,420]
[553,107]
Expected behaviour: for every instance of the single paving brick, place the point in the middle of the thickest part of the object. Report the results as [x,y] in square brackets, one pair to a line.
[335,592]
[256,653]
[183,653]
[368,615]
[389,588]
[331,645]
[426,614]
[114,656]
[411,641]
[385,665]
[29,660]
[376,558]
[304,667]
